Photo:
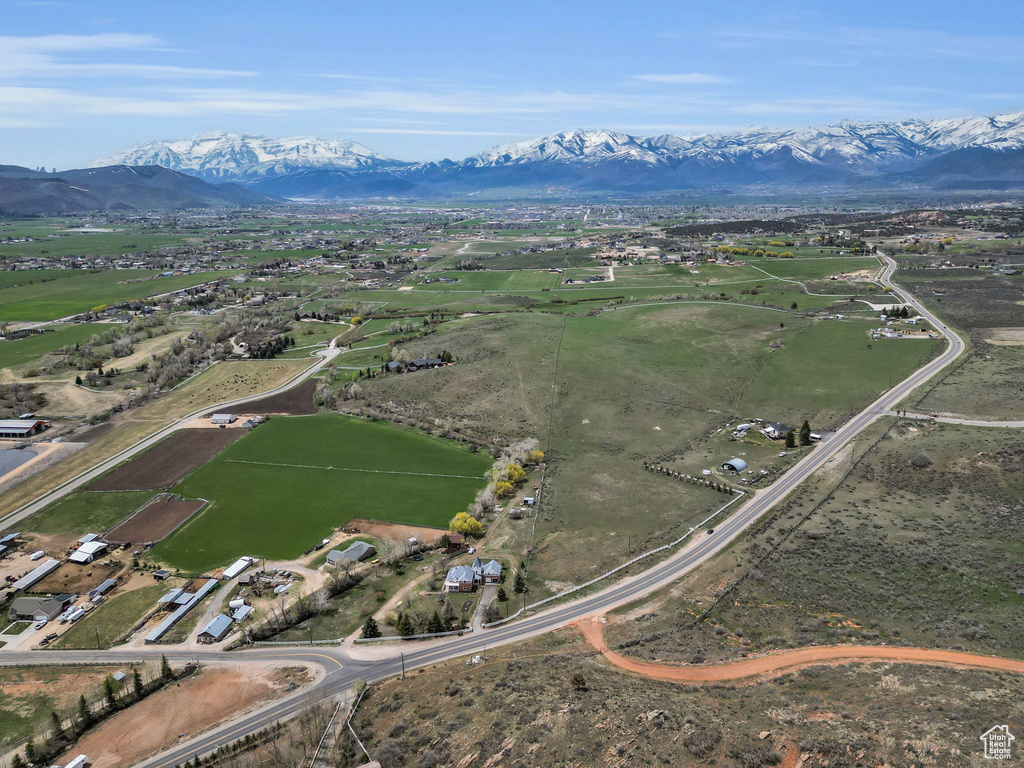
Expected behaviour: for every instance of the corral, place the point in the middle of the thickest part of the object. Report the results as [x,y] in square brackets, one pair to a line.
[75,579]
[156,520]
[167,462]
[295,479]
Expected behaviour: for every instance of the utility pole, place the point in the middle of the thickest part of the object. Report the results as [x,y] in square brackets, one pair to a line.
[310,633]
[403,666]
[97,638]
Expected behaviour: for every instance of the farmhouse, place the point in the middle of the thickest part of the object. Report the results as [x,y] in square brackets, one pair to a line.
[460,578]
[465,578]
[38,608]
[455,542]
[88,552]
[356,552]
[734,465]
[215,630]
[19,428]
[776,430]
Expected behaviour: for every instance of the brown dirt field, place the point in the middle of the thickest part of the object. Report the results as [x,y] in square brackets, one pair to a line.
[189,707]
[297,401]
[789,661]
[393,530]
[75,578]
[155,521]
[93,433]
[167,462]
[1007,337]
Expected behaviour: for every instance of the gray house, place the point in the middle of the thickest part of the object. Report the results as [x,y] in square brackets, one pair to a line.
[38,608]
[354,553]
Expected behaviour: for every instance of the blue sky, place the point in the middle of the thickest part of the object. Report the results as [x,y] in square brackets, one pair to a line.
[422,81]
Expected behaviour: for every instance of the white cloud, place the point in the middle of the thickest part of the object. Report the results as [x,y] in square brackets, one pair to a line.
[59,56]
[687,78]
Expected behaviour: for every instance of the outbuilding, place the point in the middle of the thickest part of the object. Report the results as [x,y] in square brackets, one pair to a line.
[735,465]
[223,418]
[215,630]
[354,553]
[88,552]
[21,428]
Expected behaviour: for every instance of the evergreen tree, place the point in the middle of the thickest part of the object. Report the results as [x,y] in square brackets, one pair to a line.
[17,762]
[31,753]
[165,669]
[78,380]
[370,628]
[519,585]
[502,597]
[435,624]
[405,626]
[805,433]
[137,682]
[108,691]
[57,724]
[84,715]
[790,440]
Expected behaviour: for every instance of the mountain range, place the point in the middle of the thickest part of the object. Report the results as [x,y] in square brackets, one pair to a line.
[25,192]
[961,153]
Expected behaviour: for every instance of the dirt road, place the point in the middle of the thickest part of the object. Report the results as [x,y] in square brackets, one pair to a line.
[788,661]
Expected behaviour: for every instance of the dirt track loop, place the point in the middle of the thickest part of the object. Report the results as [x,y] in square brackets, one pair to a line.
[788,661]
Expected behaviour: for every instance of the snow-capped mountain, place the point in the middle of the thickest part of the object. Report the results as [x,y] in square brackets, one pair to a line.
[235,156]
[962,153]
[866,144]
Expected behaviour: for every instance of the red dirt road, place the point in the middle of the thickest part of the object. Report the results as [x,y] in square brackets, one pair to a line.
[788,661]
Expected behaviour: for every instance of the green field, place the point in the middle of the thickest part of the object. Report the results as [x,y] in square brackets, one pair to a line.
[87,512]
[267,509]
[22,351]
[81,290]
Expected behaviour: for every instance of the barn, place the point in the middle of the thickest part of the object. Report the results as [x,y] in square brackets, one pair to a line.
[22,428]
[734,465]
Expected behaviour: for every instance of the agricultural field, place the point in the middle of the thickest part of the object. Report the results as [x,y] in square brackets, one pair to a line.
[214,385]
[294,480]
[86,512]
[82,290]
[168,461]
[920,544]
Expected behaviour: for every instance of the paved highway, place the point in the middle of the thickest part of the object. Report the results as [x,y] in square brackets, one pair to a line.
[342,667]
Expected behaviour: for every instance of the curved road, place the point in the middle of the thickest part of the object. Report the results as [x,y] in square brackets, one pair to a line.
[343,667]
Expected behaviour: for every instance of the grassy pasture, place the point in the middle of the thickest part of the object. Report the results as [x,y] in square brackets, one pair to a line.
[91,243]
[24,351]
[87,512]
[110,619]
[82,290]
[276,511]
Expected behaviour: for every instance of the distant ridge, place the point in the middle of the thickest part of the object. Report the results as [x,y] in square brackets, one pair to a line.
[24,192]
